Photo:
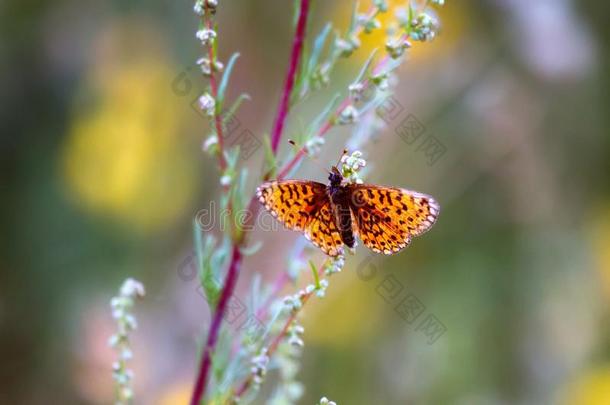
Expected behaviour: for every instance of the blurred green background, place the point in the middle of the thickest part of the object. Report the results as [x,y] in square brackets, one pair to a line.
[102,174]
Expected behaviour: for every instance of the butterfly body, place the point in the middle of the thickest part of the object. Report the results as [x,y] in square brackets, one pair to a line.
[331,216]
[339,196]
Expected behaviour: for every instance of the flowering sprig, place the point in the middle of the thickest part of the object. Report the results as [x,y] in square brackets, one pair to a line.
[351,166]
[121,306]
[308,70]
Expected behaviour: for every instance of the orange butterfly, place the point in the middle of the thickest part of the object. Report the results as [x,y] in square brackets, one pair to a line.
[385,218]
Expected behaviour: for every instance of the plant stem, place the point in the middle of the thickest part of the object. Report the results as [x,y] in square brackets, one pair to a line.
[295,57]
[206,359]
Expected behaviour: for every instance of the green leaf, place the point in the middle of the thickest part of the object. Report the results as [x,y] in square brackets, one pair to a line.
[354,20]
[234,107]
[314,270]
[366,66]
[252,249]
[224,82]
[313,60]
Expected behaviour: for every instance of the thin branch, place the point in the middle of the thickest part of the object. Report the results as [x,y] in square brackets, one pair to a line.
[295,58]
[245,385]
[206,361]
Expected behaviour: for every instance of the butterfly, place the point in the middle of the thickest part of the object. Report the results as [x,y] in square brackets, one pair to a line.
[332,216]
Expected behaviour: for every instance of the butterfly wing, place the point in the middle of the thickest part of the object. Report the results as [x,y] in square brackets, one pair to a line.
[303,206]
[386,218]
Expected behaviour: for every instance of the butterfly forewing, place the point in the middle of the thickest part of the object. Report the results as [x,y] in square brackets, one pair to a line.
[303,206]
[386,218]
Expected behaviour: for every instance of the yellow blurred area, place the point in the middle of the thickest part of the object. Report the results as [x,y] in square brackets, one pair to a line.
[349,313]
[592,388]
[180,394]
[176,394]
[124,155]
[454,20]
[600,241]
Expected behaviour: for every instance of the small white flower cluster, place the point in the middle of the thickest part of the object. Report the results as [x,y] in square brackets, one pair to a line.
[226,180]
[295,334]
[397,47]
[207,104]
[259,367]
[314,144]
[423,28]
[347,46]
[356,90]
[326,401]
[294,302]
[369,24]
[320,291]
[351,165]
[201,6]
[126,322]
[210,145]
[206,36]
[335,265]
[206,66]
[348,115]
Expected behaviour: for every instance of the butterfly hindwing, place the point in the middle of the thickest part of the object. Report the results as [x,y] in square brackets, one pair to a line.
[303,206]
[323,232]
[386,218]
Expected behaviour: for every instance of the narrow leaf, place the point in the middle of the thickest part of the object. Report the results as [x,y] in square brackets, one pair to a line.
[225,81]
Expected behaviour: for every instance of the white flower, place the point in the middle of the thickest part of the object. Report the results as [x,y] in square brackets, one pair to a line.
[326,401]
[356,90]
[296,341]
[225,180]
[210,142]
[207,104]
[206,36]
[198,8]
[423,28]
[205,65]
[349,115]
[132,288]
[121,306]
[314,145]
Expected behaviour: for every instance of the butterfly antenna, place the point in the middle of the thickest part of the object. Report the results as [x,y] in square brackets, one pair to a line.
[304,150]
[341,157]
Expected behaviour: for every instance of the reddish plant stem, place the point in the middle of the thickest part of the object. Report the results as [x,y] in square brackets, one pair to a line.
[227,292]
[234,266]
[295,58]
[328,125]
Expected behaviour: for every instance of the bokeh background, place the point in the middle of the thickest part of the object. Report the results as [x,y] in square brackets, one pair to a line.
[102,174]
